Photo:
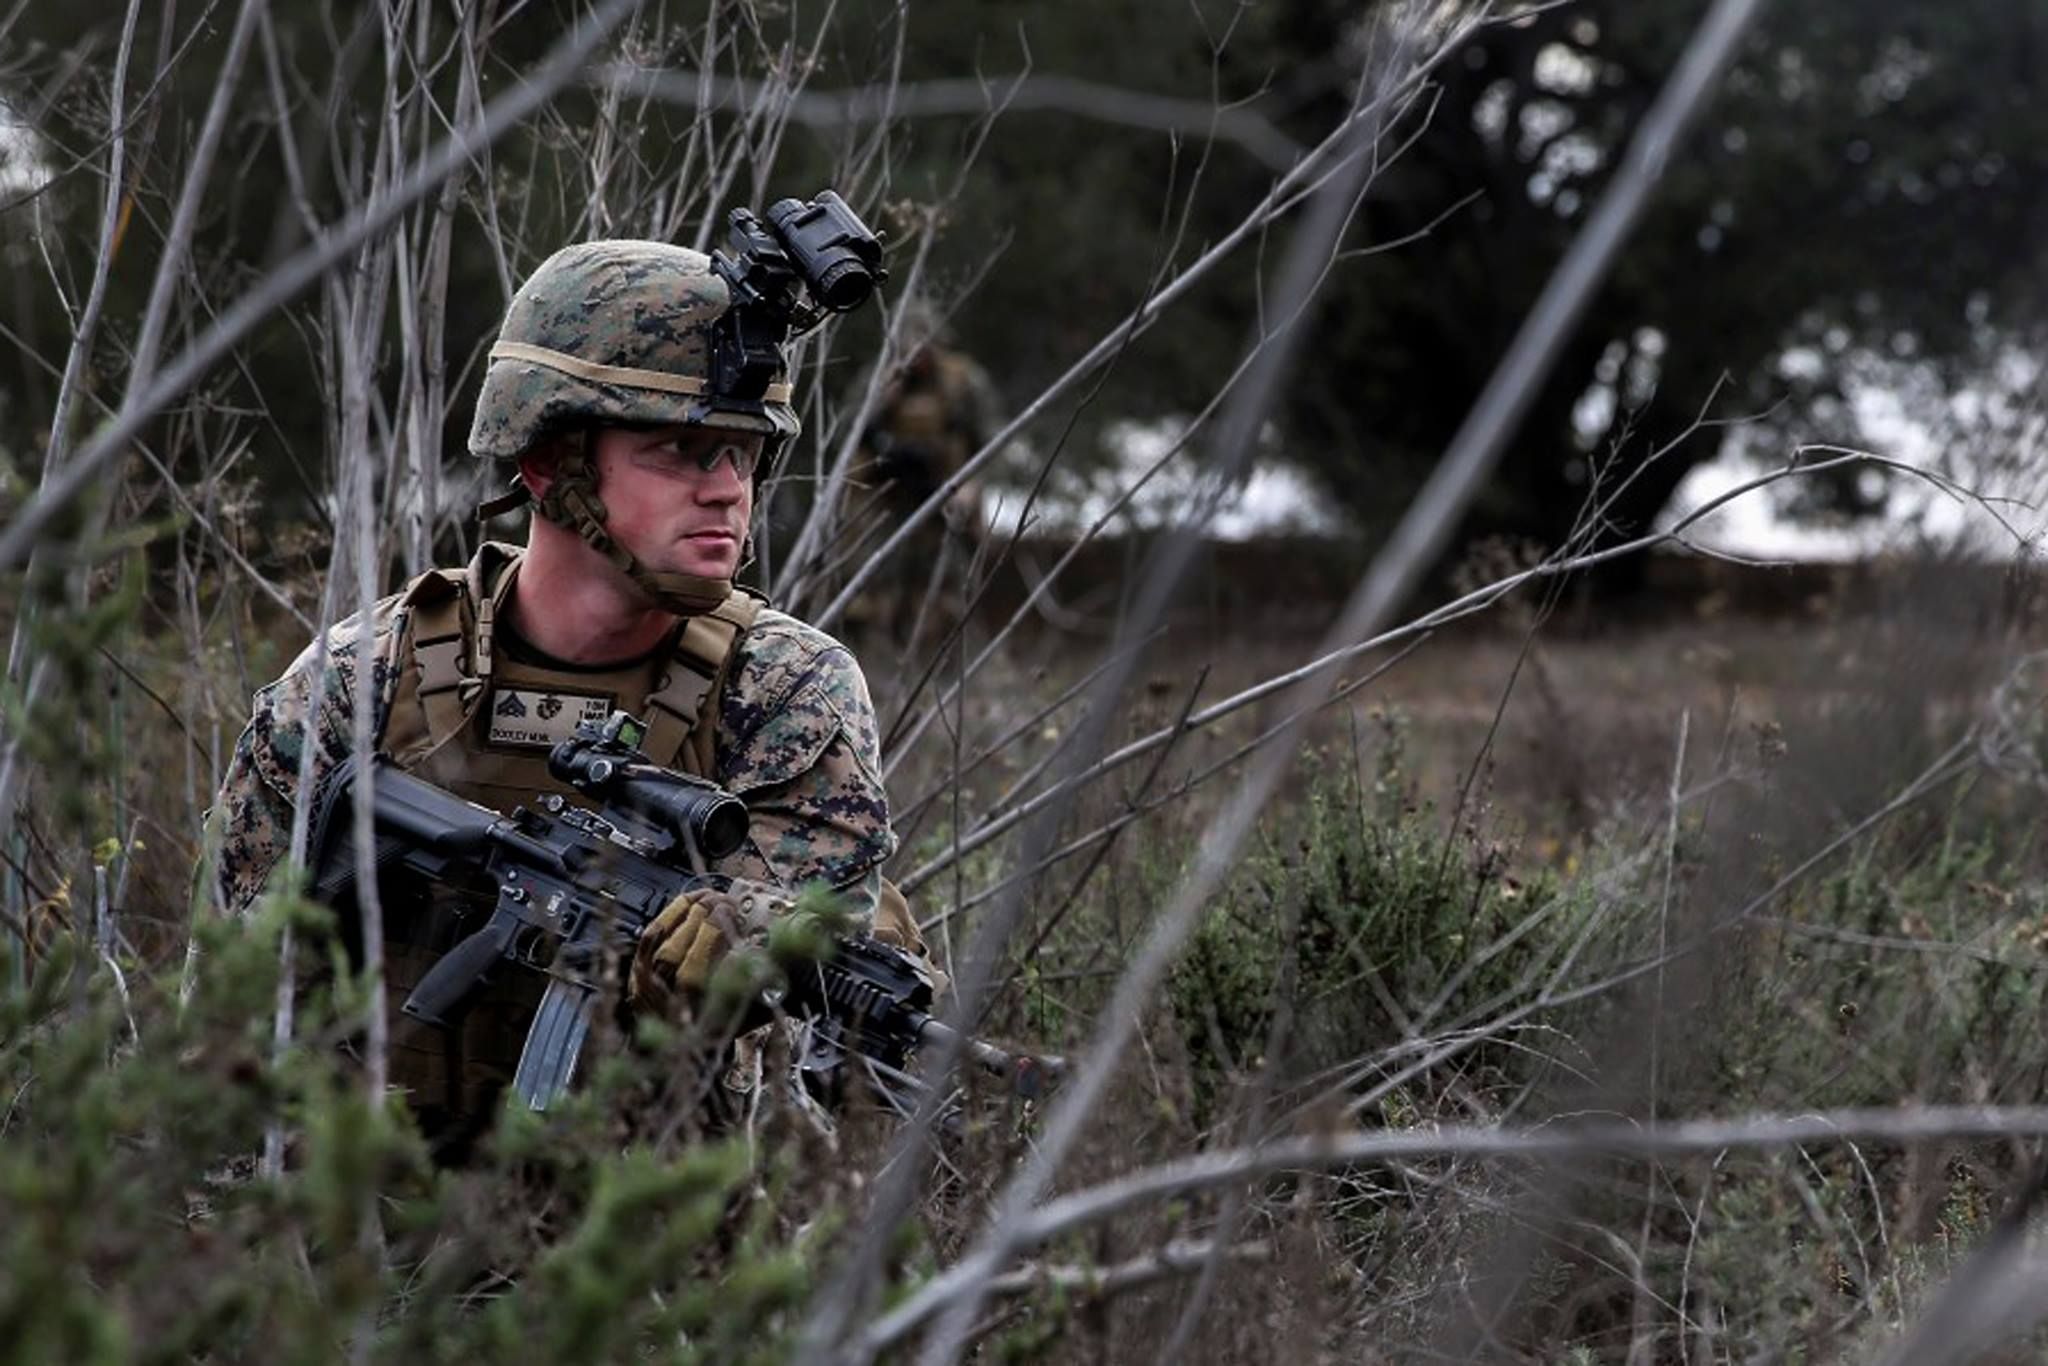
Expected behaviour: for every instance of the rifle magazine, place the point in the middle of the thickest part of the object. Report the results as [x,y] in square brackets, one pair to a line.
[554,1044]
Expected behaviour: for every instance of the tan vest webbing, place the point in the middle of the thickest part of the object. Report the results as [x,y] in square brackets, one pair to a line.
[502,775]
[439,694]
[450,687]
[438,699]
[681,714]
[445,669]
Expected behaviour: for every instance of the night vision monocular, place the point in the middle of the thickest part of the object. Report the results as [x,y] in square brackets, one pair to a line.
[786,275]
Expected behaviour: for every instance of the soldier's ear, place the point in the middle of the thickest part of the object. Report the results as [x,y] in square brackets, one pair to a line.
[537,467]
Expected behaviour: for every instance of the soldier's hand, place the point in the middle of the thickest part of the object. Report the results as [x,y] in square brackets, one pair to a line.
[680,948]
[895,926]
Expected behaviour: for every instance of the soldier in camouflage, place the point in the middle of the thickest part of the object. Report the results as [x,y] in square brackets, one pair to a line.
[933,413]
[623,597]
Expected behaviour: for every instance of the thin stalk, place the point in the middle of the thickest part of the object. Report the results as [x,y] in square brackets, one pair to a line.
[303,268]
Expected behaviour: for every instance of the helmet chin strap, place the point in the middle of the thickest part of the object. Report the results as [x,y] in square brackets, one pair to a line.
[572,502]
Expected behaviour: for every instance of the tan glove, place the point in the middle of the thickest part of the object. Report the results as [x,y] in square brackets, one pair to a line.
[679,949]
[897,927]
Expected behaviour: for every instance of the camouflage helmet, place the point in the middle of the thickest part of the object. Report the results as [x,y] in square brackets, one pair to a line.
[612,332]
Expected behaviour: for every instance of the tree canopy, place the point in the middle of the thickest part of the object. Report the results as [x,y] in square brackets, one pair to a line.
[1867,184]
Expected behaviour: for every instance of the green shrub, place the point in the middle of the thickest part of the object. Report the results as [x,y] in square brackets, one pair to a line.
[139,1227]
[1367,923]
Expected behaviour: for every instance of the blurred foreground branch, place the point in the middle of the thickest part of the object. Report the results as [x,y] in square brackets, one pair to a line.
[1615,1137]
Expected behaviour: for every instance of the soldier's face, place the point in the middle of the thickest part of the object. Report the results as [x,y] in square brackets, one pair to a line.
[679,498]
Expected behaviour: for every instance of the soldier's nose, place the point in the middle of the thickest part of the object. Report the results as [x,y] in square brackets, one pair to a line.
[721,484]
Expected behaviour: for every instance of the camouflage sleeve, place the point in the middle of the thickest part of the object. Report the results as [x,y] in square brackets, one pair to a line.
[250,823]
[249,827]
[806,758]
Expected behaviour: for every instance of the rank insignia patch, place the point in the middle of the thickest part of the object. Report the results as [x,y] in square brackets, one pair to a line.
[531,716]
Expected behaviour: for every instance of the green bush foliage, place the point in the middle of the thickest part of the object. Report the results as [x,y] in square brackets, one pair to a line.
[1906,974]
[141,1227]
[1368,924]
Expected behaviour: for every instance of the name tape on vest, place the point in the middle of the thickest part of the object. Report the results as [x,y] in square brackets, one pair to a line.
[531,716]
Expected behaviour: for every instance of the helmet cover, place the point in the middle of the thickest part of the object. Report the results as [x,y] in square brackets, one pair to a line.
[612,333]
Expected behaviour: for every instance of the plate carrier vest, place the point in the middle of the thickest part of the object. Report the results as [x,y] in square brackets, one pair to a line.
[436,727]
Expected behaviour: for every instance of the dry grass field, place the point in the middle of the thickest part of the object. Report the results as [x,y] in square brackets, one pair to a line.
[1569,789]
[1717,854]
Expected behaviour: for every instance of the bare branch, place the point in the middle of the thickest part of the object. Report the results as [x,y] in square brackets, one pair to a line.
[834,110]
[1328,158]
[301,270]
[170,269]
[86,330]
[1618,1138]
[1307,264]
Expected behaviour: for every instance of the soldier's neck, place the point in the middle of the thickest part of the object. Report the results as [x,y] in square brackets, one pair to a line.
[570,602]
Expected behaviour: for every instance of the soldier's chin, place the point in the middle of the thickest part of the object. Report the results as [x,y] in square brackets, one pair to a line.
[706,562]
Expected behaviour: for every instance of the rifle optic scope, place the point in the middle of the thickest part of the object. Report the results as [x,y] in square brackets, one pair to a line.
[691,809]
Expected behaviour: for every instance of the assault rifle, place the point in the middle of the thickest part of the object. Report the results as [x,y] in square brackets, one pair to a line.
[573,888]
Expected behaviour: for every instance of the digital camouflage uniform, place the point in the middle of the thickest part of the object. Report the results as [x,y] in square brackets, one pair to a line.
[930,419]
[604,333]
[796,740]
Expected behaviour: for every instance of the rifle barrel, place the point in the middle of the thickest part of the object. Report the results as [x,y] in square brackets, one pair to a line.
[1026,1072]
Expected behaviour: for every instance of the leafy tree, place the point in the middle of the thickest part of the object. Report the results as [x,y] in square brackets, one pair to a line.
[1868,181]
[1866,187]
